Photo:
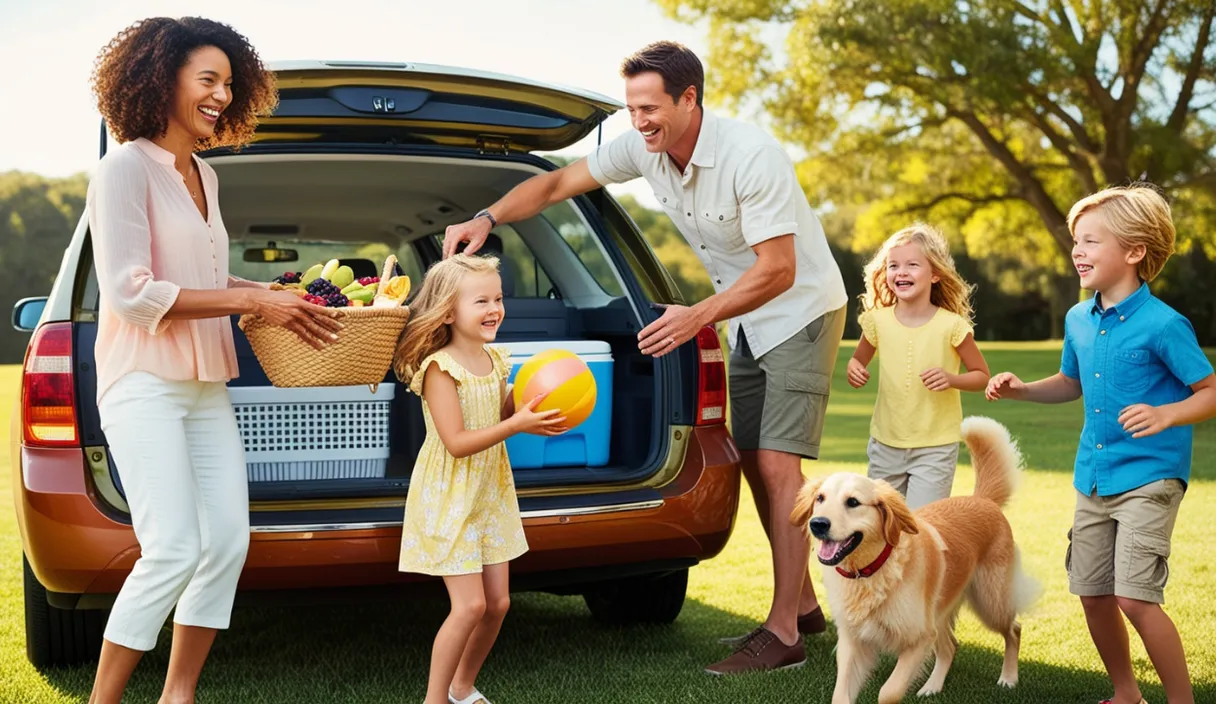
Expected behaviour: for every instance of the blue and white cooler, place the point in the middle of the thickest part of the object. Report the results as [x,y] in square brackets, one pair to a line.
[585,445]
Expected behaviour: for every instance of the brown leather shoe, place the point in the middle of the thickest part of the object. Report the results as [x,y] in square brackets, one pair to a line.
[809,624]
[812,622]
[760,651]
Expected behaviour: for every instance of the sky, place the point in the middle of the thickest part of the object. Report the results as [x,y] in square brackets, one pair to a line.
[49,122]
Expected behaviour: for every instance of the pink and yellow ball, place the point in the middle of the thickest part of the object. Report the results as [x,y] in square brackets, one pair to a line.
[567,380]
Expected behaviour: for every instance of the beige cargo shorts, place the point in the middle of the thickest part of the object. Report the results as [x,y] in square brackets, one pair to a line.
[1121,544]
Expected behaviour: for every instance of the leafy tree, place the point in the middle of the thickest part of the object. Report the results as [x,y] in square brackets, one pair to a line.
[990,117]
[37,218]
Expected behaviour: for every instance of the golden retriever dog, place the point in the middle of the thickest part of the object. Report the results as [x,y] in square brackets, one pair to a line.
[895,579]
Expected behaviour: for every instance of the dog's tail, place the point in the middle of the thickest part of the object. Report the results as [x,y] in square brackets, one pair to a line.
[995,457]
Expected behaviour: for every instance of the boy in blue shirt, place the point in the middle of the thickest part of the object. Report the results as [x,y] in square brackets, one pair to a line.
[1145,381]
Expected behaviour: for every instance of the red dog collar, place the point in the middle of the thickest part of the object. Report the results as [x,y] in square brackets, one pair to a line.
[869,569]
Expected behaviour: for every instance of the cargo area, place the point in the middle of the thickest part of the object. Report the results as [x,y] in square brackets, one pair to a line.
[565,284]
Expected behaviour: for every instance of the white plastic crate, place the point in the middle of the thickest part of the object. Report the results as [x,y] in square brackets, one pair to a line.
[338,432]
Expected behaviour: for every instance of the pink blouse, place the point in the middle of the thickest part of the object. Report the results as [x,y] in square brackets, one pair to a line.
[149,242]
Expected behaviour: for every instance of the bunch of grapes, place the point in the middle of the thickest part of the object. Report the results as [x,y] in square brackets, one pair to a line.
[337,300]
[368,280]
[322,288]
[315,300]
[288,277]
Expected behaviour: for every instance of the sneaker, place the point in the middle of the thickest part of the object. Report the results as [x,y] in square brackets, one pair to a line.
[760,651]
[809,624]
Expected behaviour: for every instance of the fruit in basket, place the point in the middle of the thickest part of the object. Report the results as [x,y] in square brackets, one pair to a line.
[322,287]
[313,273]
[363,295]
[336,300]
[369,280]
[327,271]
[288,277]
[392,292]
[352,286]
[565,377]
[342,276]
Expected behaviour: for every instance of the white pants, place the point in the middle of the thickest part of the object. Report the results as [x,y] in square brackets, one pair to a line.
[182,465]
[922,474]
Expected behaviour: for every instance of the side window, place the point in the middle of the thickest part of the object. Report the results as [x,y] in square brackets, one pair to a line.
[565,219]
[522,275]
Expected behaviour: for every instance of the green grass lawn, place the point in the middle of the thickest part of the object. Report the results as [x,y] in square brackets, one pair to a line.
[551,651]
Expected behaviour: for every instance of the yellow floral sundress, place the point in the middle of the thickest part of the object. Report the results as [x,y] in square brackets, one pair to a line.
[462,513]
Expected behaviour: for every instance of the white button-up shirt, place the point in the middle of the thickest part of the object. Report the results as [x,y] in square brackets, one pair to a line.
[739,190]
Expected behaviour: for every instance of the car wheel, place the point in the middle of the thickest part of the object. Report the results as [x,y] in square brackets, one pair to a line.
[58,636]
[651,598]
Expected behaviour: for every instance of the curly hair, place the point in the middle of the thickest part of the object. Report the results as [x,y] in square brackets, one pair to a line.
[950,292]
[135,79]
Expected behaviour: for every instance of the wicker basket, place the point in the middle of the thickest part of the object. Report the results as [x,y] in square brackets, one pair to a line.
[362,354]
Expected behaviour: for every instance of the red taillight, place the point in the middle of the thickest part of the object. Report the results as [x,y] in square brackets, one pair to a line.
[711,378]
[48,389]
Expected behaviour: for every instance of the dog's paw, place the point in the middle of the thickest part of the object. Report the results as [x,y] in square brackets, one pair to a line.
[929,690]
[1008,682]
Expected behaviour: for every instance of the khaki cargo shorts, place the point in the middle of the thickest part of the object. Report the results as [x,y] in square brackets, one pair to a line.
[1121,544]
[778,402]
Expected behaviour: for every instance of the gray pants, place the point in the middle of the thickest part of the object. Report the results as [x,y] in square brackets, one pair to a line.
[922,474]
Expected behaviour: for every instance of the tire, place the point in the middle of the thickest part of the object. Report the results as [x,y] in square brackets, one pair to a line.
[58,636]
[652,598]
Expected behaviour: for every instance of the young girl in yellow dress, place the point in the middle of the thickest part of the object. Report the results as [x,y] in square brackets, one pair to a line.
[461,516]
[917,317]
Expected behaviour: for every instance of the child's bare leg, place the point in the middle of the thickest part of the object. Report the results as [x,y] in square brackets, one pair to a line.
[1164,647]
[498,600]
[1110,636]
[468,608]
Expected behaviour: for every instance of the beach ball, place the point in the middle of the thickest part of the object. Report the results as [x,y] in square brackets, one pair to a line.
[565,377]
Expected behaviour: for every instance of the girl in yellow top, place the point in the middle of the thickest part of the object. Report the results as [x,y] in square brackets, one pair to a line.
[917,316]
[461,516]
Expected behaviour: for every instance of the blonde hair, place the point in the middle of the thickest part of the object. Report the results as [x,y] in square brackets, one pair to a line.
[950,292]
[427,331]
[1136,215]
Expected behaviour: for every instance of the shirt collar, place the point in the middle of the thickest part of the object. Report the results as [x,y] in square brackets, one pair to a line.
[707,141]
[155,151]
[1127,306]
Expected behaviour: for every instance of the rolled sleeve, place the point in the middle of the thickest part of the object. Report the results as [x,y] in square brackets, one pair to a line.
[122,240]
[1179,349]
[767,189]
[616,161]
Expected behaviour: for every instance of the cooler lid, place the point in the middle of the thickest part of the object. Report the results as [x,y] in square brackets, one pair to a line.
[583,348]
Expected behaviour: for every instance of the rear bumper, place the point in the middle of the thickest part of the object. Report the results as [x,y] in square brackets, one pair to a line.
[75,549]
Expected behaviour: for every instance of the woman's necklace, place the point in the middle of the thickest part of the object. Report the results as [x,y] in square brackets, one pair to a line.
[190,179]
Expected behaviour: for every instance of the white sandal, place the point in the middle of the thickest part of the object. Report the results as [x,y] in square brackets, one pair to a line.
[474,697]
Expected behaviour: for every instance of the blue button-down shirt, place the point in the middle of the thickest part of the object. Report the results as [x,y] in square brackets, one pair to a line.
[1138,351]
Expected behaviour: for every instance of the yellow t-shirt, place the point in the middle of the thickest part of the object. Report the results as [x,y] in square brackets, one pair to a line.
[907,414]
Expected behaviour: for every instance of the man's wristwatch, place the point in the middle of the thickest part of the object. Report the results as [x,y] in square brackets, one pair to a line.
[486,214]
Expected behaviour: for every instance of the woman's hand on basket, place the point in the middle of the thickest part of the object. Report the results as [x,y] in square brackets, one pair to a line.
[316,325]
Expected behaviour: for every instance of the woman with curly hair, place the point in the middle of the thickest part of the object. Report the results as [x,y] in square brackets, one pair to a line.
[167,88]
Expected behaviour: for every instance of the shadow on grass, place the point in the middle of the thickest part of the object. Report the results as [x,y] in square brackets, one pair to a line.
[549,651]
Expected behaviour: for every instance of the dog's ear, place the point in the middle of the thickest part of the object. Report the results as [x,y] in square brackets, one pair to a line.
[804,503]
[897,518]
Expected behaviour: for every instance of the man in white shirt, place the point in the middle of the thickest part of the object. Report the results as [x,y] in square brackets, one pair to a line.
[732,192]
